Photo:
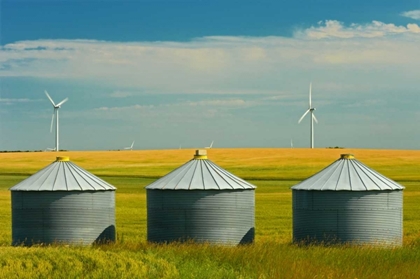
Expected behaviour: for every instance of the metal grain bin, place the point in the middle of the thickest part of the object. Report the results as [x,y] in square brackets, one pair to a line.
[347,202]
[63,203]
[202,202]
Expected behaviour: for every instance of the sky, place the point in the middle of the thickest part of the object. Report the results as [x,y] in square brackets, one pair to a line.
[175,74]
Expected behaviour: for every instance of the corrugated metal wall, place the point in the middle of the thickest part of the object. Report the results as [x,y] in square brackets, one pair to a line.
[78,217]
[224,217]
[365,217]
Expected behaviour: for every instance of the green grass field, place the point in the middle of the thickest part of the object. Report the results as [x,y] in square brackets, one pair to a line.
[272,255]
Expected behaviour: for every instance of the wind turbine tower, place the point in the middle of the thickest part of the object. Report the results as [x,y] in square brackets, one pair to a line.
[310,110]
[55,114]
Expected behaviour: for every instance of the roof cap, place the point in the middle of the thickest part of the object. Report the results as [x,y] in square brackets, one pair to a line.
[347,156]
[347,174]
[200,174]
[200,154]
[63,175]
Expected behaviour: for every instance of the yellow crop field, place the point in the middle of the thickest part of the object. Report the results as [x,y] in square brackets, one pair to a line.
[253,163]
[272,255]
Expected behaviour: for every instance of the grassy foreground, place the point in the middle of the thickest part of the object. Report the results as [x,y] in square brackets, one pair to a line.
[271,256]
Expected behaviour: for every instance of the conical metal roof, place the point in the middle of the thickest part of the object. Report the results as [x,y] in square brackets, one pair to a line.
[200,174]
[347,174]
[62,175]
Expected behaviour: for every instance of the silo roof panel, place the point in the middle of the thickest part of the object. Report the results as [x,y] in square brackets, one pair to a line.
[210,183]
[347,175]
[194,182]
[222,180]
[200,174]
[179,177]
[72,183]
[60,181]
[48,177]
[87,181]
[62,176]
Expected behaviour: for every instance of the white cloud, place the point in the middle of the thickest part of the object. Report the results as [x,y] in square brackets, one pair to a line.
[175,112]
[163,114]
[366,103]
[9,101]
[222,103]
[335,29]
[125,108]
[121,94]
[226,103]
[362,54]
[22,100]
[415,14]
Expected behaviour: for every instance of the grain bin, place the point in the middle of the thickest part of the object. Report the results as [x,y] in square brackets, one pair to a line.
[202,202]
[63,203]
[347,202]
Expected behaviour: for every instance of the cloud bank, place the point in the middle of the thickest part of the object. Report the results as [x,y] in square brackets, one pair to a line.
[330,52]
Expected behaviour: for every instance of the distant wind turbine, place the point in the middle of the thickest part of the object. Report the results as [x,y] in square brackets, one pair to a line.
[130,147]
[291,143]
[55,114]
[311,110]
[211,145]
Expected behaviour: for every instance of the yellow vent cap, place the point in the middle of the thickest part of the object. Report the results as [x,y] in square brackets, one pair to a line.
[347,156]
[63,159]
[200,154]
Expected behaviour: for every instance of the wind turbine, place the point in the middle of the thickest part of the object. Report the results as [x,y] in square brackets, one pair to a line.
[55,112]
[130,147]
[211,145]
[311,110]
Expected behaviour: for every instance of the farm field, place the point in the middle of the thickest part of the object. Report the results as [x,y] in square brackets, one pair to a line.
[272,255]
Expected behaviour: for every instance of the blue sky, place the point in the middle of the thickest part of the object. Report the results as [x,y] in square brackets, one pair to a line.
[183,73]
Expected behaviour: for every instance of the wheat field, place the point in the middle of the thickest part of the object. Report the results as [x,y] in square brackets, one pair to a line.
[272,255]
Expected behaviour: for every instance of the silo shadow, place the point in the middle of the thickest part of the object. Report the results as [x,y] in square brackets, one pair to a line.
[248,238]
[106,236]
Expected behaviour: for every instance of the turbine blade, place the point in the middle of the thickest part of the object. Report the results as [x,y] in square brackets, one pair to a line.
[52,121]
[52,102]
[303,116]
[313,116]
[310,94]
[62,102]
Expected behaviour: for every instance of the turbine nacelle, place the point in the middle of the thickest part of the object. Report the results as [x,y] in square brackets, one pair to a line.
[56,106]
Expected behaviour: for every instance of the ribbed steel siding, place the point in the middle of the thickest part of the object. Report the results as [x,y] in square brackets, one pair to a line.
[219,217]
[68,217]
[362,217]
